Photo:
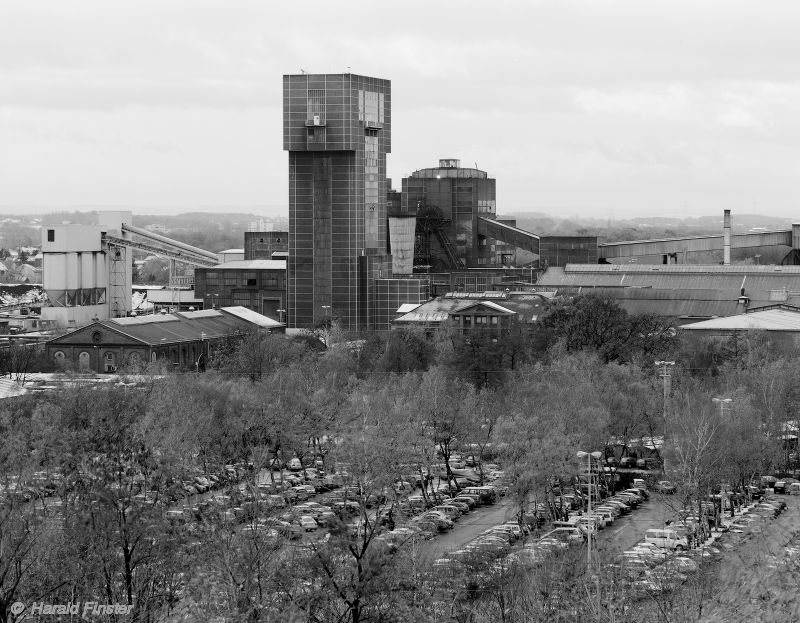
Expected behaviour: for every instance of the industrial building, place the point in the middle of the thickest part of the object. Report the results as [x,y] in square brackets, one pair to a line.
[685,293]
[185,340]
[337,129]
[471,310]
[356,250]
[87,269]
[780,322]
[266,245]
[447,201]
[259,285]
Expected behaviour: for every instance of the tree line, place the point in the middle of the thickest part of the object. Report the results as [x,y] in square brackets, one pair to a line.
[374,411]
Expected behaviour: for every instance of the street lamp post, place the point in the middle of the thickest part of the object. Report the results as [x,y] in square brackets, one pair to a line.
[200,355]
[665,366]
[723,494]
[589,456]
[281,312]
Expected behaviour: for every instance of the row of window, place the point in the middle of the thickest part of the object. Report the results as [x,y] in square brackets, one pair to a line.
[480,321]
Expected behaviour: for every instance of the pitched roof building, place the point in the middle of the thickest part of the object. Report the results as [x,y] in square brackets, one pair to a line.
[184,339]
[680,291]
[476,309]
[780,321]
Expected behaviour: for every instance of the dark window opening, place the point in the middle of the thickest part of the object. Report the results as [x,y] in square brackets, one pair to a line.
[251,282]
[51,235]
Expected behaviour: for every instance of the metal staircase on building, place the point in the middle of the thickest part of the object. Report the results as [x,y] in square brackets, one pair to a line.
[431,222]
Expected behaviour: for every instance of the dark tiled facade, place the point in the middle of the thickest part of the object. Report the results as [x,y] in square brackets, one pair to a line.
[260,245]
[390,294]
[337,130]
[462,195]
[261,289]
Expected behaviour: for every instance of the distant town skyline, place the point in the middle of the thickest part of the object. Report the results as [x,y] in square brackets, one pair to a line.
[612,109]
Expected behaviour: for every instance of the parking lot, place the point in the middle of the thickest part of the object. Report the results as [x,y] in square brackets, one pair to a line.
[627,531]
[470,526]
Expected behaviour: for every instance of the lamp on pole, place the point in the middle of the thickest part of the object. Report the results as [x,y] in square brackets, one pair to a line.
[200,355]
[281,312]
[589,456]
[665,375]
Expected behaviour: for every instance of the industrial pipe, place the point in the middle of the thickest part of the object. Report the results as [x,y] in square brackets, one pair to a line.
[726,239]
[164,240]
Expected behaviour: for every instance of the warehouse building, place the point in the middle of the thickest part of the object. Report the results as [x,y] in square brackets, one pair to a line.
[187,340]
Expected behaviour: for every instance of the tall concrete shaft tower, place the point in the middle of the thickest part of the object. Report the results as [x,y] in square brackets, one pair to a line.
[337,130]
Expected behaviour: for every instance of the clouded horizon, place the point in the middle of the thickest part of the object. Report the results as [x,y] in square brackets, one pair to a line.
[611,109]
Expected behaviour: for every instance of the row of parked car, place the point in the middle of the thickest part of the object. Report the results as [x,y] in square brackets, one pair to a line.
[448,508]
[666,556]
[41,486]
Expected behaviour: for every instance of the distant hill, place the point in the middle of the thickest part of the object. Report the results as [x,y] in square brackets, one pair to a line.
[643,228]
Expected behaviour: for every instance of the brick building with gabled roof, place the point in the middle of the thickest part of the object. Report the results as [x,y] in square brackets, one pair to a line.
[184,339]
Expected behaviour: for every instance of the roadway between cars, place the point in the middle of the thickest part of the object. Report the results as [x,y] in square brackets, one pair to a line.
[626,532]
[469,526]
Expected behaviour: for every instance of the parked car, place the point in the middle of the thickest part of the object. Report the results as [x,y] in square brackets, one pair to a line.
[642,493]
[605,514]
[610,508]
[486,495]
[466,499]
[623,507]
[665,486]
[666,538]
[449,511]
[439,521]
[295,464]
[570,535]
[308,523]
[461,506]
[627,461]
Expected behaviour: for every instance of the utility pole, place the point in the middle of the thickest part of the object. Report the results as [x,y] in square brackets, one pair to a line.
[667,377]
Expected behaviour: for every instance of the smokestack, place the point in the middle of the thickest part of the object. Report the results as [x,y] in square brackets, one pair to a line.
[726,239]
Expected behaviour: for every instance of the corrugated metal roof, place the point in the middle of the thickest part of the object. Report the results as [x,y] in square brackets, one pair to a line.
[431,316]
[159,329]
[767,320]
[693,285]
[252,316]
[710,269]
[527,307]
[488,304]
[201,313]
[407,307]
[146,319]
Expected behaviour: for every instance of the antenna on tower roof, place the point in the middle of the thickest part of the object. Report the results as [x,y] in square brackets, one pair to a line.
[303,71]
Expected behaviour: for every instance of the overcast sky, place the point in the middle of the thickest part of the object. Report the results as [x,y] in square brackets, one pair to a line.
[604,108]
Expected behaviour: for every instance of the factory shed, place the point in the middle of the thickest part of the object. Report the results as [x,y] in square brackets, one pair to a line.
[470,310]
[780,322]
[682,292]
[184,339]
